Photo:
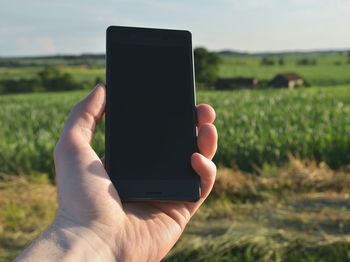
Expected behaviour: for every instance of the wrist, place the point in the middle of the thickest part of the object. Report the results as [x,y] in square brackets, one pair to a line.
[83,242]
[64,240]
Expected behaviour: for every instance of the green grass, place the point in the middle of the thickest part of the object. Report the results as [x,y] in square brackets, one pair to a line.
[31,126]
[265,126]
[256,128]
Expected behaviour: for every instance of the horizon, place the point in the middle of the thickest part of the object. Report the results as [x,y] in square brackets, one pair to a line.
[239,52]
[41,28]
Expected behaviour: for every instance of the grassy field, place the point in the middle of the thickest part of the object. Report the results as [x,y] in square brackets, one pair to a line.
[266,204]
[256,128]
[330,69]
[299,212]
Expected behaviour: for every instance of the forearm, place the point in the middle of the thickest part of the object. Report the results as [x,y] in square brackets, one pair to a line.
[64,241]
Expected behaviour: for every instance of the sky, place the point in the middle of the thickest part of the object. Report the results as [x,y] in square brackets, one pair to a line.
[41,27]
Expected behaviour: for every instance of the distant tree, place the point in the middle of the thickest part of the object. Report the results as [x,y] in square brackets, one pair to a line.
[306,61]
[349,57]
[8,62]
[2,87]
[98,80]
[206,65]
[281,61]
[267,61]
[47,75]
[53,80]
[20,85]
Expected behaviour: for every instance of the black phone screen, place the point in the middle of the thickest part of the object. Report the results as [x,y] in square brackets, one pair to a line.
[151,107]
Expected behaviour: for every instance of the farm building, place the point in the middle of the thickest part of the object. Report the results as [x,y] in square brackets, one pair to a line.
[289,80]
[236,83]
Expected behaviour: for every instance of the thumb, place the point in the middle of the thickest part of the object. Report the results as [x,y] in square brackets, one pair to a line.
[82,120]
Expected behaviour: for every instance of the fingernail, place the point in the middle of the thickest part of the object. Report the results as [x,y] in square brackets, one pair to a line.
[97,86]
[100,84]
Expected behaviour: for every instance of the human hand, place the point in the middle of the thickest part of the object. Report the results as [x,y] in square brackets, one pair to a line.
[90,214]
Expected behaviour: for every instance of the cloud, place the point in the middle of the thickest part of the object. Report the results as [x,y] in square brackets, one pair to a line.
[46,27]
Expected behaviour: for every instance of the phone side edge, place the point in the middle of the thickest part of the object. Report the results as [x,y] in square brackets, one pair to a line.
[107,120]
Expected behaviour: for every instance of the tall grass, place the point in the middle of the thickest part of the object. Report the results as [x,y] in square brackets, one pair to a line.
[256,128]
[264,127]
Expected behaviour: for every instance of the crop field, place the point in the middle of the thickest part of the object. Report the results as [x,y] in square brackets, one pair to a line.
[256,128]
[264,127]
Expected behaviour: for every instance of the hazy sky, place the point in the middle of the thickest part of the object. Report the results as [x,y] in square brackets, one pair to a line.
[38,27]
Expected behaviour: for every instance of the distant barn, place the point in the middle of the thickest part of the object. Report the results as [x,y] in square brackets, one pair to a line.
[236,83]
[289,80]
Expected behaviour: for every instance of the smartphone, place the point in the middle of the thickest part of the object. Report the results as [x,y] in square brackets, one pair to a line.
[150,114]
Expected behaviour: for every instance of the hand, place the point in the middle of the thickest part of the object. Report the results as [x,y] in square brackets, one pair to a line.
[90,212]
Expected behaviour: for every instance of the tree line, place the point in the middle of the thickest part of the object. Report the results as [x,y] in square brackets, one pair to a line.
[53,79]
[48,79]
[303,61]
[268,61]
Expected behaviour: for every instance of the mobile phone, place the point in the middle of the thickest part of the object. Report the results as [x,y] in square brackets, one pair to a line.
[150,114]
